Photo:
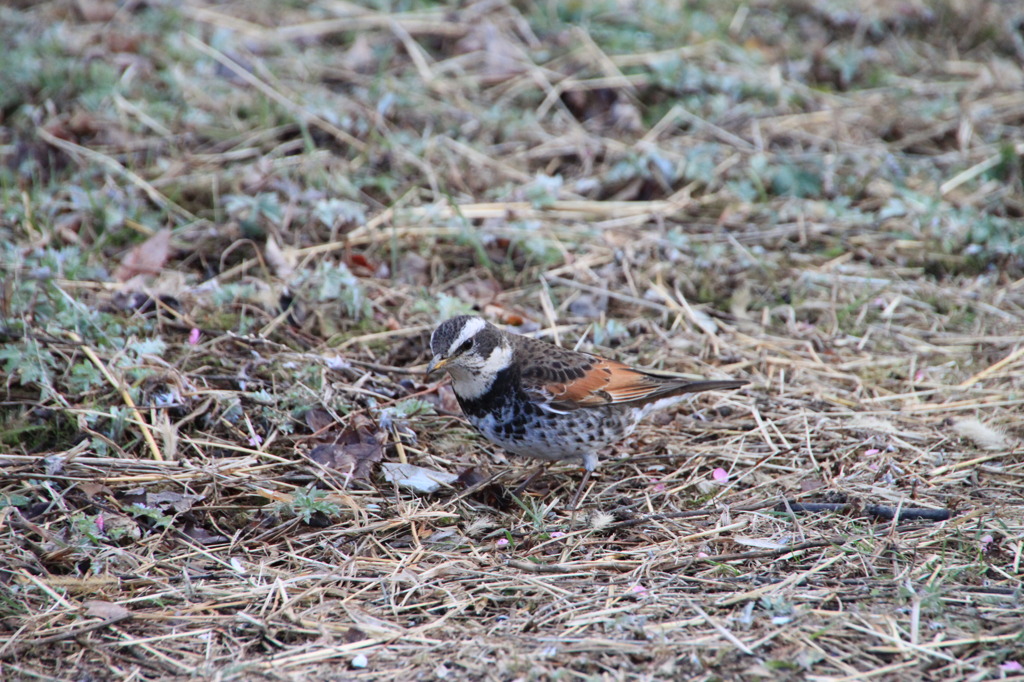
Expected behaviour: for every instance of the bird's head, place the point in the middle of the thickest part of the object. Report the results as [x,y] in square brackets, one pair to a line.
[472,351]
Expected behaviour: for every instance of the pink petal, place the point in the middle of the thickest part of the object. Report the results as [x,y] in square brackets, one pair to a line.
[638,589]
[1011,667]
[557,534]
[872,451]
[501,542]
[100,522]
[720,475]
[193,337]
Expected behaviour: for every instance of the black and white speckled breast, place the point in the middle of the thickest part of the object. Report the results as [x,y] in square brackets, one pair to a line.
[506,416]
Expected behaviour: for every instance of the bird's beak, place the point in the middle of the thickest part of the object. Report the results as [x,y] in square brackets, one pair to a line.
[437,363]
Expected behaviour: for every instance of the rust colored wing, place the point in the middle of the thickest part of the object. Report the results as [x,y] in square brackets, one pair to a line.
[565,380]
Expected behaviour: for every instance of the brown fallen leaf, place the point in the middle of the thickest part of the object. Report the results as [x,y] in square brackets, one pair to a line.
[318,420]
[179,502]
[361,266]
[470,477]
[203,536]
[93,489]
[148,258]
[353,453]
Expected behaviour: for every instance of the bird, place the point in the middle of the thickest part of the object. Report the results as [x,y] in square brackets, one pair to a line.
[539,400]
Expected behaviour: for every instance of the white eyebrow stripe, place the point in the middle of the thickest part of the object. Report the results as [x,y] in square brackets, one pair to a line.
[469,330]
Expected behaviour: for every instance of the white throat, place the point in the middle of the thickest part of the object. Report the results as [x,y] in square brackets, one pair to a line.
[472,382]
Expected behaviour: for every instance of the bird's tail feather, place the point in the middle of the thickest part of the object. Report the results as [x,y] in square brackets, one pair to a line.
[711,385]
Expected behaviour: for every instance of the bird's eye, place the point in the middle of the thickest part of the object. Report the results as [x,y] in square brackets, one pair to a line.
[465,346]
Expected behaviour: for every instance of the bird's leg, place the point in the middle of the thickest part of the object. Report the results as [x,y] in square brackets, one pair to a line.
[589,464]
[576,498]
[579,490]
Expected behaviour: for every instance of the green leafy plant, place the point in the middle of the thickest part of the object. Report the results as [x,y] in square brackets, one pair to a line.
[543,191]
[30,362]
[307,502]
[334,283]
[251,211]
[397,414]
[85,530]
[442,306]
[335,212]
[157,516]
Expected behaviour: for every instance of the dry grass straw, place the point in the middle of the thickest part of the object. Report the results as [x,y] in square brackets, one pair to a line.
[674,574]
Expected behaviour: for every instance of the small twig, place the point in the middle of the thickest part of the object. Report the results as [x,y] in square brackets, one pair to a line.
[908,513]
[881,511]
